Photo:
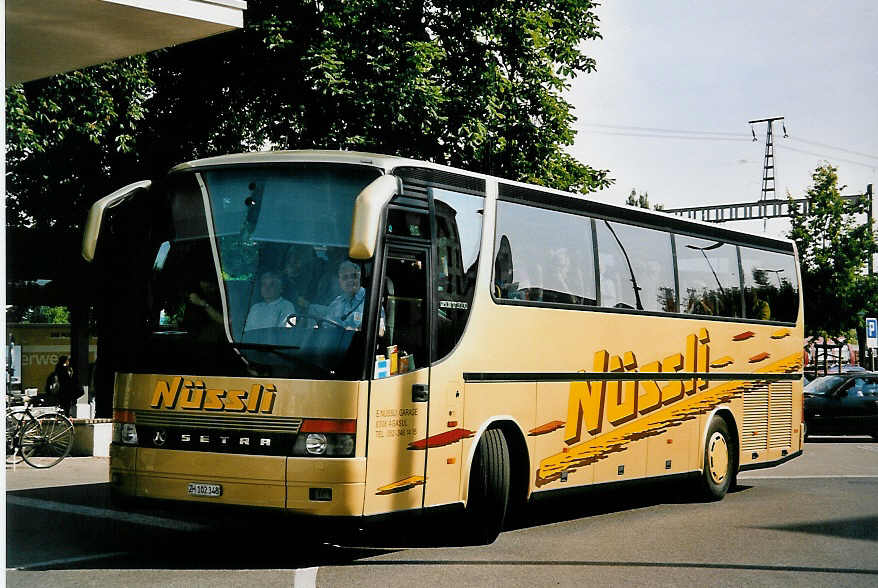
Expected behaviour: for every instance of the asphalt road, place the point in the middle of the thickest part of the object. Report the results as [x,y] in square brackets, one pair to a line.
[810,522]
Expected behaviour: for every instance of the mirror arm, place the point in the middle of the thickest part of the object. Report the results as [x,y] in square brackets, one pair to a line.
[96,216]
[367,215]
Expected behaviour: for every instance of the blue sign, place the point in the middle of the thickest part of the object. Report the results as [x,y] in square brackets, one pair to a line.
[871,333]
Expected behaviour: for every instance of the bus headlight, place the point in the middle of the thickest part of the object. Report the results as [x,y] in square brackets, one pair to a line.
[344,445]
[125,433]
[326,438]
[124,429]
[315,444]
[324,445]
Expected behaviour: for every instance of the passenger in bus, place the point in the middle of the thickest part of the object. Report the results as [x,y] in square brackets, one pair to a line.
[530,284]
[302,279]
[346,309]
[504,287]
[202,298]
[202,315]
[566,280]
[274,309]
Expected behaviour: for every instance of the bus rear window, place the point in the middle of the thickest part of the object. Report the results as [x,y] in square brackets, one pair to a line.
[771,290]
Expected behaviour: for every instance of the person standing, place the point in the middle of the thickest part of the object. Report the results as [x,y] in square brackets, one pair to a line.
[60,387]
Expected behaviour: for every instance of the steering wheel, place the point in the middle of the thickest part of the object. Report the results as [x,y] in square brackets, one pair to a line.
[293,319]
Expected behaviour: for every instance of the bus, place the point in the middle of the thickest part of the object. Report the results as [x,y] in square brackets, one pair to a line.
[350,335]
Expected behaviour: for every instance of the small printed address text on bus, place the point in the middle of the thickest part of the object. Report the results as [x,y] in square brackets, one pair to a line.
[392,423]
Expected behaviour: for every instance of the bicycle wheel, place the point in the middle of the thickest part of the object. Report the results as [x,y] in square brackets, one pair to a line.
[13,422]
[46,440]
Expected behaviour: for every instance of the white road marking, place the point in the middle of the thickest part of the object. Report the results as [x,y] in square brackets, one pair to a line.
[305,578]
[68,560]
[804,477]
[104,513]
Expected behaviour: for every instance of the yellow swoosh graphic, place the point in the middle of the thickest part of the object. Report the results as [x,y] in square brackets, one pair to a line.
[722,362]
[598,448]
[402,485]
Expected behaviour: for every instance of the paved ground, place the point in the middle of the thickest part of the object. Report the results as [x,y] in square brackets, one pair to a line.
[810,522]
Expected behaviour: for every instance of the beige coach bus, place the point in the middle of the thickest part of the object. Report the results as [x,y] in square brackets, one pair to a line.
[348,334]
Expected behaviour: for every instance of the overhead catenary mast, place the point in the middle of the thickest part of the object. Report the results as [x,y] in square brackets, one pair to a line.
[769,173]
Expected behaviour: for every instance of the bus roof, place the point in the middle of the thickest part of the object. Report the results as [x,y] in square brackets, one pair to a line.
[385,162]
[388,163]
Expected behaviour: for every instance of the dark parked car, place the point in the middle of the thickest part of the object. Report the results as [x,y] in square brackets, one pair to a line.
[842,404]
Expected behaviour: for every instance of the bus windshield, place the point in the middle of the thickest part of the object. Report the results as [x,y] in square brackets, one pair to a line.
[255,265]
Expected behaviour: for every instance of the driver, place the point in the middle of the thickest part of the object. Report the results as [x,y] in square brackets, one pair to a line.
[347,308]
[273,310]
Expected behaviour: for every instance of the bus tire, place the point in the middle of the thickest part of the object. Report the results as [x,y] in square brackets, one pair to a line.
[488,487]
[719,461]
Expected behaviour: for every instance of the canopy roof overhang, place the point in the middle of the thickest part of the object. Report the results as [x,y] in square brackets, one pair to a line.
[47,37]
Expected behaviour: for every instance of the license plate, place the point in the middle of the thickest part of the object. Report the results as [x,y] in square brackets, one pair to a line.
[199,489]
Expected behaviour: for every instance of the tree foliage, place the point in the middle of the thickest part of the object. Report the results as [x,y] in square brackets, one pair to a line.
[67,138]
[476,84]
[470,84]
[635,199]
[641,200]
[834,244]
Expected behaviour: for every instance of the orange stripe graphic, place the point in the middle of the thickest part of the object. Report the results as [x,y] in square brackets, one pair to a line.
[442,439]
[744,336]
[547,428]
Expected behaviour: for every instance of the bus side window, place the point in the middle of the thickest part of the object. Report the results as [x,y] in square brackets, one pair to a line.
[636,266]
[543,256]
[709,277]
[458,240]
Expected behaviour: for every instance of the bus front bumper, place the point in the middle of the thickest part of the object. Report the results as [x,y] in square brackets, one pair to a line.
[334,487]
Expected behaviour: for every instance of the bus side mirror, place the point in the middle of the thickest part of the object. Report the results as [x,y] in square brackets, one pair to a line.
[96,216]
[367,215]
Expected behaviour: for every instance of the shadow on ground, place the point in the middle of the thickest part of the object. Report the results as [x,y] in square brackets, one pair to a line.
[194,537]
[865,528]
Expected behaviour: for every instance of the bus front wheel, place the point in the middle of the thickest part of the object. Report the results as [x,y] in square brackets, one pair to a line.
[488,487]
[719,461]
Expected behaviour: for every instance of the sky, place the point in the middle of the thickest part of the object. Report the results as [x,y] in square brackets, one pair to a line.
[706,68]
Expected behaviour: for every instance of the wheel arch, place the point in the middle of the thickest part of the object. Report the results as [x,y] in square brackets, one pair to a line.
[724,412]
[519,457]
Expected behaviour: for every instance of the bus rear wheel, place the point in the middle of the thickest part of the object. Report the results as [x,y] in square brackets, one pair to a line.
[488,487]
[719,461]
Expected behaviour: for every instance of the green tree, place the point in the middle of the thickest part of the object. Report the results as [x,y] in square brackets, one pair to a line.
[68,139]
[39,314]
[833,244]
[641,200]
[635,199]
[476,84]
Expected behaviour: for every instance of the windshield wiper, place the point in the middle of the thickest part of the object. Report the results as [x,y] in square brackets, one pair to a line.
[276,350]
[263,346]
[273,349]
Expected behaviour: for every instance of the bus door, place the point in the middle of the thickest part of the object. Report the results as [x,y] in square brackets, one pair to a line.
[400,386]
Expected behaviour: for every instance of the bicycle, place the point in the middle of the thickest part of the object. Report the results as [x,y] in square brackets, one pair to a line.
[42,438]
